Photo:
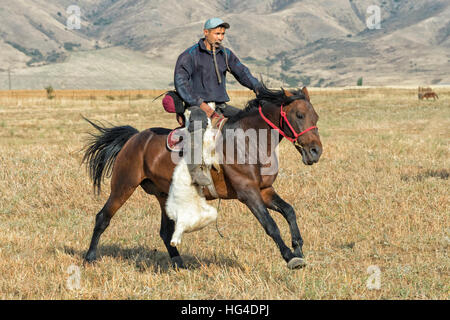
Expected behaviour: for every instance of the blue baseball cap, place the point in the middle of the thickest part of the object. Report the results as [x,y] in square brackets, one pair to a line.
[214,23]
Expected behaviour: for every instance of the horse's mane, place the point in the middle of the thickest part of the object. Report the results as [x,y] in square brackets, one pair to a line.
[274,97]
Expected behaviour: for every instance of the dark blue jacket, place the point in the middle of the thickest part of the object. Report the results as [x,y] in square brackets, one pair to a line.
[196,79]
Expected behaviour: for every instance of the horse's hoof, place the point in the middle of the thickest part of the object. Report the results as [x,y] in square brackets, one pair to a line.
[90,259]
[177,263]
[296,263]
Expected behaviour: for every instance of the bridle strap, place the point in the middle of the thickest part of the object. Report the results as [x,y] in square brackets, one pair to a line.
[283,116]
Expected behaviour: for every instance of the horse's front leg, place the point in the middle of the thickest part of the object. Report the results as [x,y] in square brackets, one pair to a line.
[252,198]
[273,201]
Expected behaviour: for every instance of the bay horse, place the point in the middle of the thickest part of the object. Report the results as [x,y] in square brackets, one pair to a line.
[427,95]
[134,159]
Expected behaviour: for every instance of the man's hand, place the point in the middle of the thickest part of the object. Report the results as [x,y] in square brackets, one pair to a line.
[208,110]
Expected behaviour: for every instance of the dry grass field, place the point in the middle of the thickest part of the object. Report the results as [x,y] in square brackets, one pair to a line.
[378,197]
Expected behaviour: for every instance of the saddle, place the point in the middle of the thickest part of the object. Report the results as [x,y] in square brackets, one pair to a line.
[175,138]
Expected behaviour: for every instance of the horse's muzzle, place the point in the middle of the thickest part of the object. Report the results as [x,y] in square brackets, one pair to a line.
[310,154]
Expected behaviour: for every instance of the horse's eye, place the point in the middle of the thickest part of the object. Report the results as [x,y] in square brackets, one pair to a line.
[300,115]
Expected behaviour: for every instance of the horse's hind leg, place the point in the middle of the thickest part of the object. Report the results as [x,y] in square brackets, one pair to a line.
[116,199]
[166,233]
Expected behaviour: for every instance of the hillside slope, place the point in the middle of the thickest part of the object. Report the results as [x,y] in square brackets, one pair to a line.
[288,42]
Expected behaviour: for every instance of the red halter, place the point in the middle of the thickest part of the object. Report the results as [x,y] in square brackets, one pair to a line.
[283,116]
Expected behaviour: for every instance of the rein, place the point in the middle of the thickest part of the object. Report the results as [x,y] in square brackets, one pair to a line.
[283,116]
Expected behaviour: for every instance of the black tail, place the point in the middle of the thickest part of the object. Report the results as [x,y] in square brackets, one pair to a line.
[102,149]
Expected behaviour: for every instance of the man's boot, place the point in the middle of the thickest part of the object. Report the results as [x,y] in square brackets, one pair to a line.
[196,167]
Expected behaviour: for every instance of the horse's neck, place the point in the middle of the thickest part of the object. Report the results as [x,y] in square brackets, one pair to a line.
[256,122]
[272,113]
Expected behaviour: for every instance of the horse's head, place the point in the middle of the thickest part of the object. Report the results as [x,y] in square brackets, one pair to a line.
[296,115]
[302,125]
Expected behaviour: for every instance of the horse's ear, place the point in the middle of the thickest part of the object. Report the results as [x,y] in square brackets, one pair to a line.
[287,93]
[305,92]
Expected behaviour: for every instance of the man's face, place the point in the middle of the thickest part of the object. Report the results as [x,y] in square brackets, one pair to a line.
[215,36]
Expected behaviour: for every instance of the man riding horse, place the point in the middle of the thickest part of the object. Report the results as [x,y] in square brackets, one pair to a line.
[199,79]
[141,159]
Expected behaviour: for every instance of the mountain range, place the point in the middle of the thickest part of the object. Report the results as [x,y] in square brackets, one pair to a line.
[134,44]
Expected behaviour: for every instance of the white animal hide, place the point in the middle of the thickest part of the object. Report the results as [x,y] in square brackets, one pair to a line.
[186,204]
[209,146]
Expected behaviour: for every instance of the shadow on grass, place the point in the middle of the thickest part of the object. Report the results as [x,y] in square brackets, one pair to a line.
[439,173]
[146,259]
